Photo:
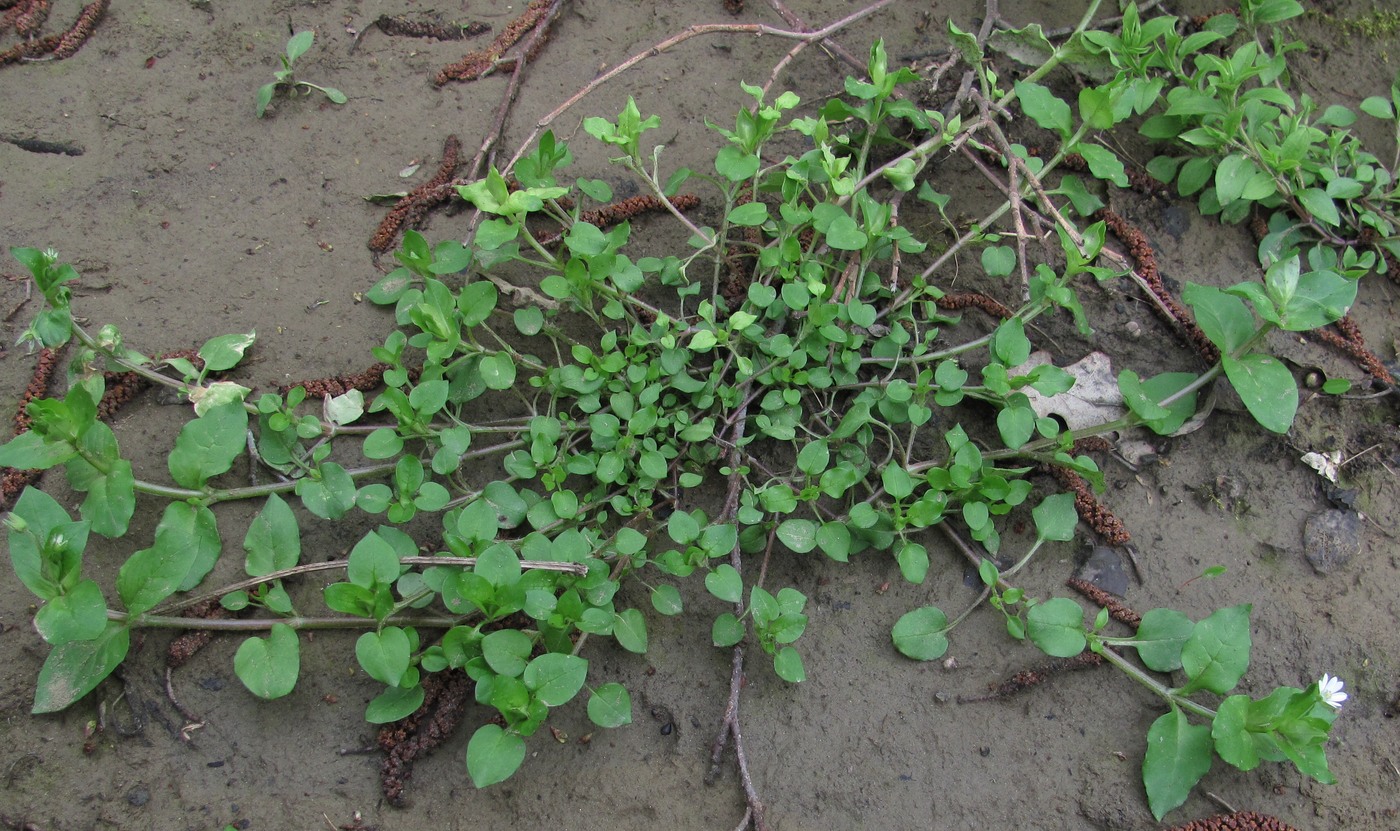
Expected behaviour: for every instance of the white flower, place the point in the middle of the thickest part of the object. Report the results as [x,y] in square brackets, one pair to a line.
[1330,689]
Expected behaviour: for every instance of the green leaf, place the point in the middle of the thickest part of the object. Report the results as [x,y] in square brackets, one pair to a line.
[1223,317]
[78,615]
[373,561]
[264,97]
[682,527]
[273,541]
[555,678]
[921,634]
[73,669]
[111,496]
[335,95]
[1055,518]
[1178,755]
[153,574]
[298,44]
[666,599]
[507,651]
[630,630]
[913,562]
[845,235]
[749,214]
[1320,205]
[813,458]
[998,260]
[799,535]
[1057,627]
[1016,426]
[497,371]
[1103,163]
[788,665]
[42,516]
[493,755]
[1231,734]
[1142,397]
[727,630]
[834,539]
[725,583]
[1160,637]
[208,445]
[1044,107]
[225,351]
[394,703]
[269,668]
[31,451]
[1266,387]
[610,706]
[385,655]
[1216,654]
[477,301]
[330,496]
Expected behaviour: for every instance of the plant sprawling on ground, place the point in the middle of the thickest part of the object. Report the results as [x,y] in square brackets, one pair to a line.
[793,379]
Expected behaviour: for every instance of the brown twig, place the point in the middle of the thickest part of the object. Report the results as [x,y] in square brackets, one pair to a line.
[1093,512]
[477,63]
[1117,609]
[412,208]
[445,696]
[1236,821]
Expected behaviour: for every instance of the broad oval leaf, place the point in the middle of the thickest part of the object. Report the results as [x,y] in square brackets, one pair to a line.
[269,667]
[493,755]
[72,670]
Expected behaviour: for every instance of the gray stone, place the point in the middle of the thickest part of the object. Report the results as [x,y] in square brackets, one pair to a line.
[1331,539]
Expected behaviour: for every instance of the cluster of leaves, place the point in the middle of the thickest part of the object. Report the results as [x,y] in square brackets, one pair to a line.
[626,382]
[1289,724]
[285,78]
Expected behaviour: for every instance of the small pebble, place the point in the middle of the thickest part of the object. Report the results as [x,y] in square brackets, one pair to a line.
[1331,538]
[138,796]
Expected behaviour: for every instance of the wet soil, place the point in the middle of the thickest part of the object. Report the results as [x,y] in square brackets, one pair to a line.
[189,217]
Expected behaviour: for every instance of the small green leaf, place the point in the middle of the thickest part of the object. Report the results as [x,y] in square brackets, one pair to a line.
[1231,734]
[507,651]
[1055,517]
[273,541]
[610,706]
[208,445]
[1223,317]
[555,677]
[749,214]
[385,655]
[78,615]
[1178,755]
[800,535]
[666,599]
[393,704]
[998,260]
[630,630]
[725,583]
[493,755]
[225,351]
[1266,387]
[913,562]
[1160,637]
[788,665]
[1216,654]
[1057,627]
[269,667]
[335,95]
[73,669]
[921,634]
[727,630]
[1044,107]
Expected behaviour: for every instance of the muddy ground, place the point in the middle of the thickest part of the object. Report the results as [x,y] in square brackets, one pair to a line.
[189,217]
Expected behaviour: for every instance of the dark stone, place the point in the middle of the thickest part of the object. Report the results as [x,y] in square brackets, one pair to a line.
[1103,567]
[138,796]
[1331,539]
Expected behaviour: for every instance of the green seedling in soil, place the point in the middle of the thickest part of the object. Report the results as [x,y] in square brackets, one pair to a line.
[818,384]
[286,79]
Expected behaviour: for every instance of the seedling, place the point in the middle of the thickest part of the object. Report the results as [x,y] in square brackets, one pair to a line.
[296,47]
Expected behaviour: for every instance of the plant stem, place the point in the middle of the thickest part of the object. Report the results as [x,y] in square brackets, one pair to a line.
[1155,686]
[263,624]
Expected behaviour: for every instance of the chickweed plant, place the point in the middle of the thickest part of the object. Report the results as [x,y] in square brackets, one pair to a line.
[784,383]
[286,80]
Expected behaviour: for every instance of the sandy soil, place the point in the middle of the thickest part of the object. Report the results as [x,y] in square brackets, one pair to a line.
[189,217]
